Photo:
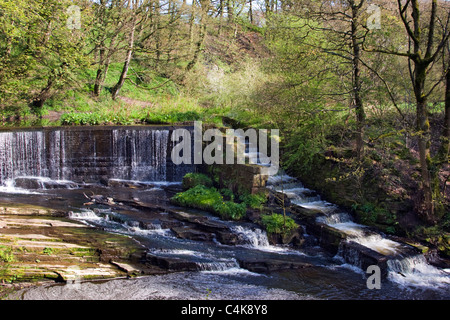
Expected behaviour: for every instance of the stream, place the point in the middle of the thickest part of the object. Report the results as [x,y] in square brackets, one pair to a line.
[40,177]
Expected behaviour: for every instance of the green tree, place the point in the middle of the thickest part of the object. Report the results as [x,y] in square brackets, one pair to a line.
[424,45]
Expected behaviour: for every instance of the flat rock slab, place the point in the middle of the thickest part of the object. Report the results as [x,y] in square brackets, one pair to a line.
[192,234]
[27,210]
[41,246]
[11,222]
[266,266]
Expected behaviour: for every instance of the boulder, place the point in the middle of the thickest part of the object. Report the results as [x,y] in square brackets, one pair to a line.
[192,234]
[32,183]
[295,237]
[363,257]
[28,183]
[170,263]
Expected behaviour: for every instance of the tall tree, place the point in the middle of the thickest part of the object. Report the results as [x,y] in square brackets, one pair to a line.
[342,22]
[134,9]
[424,47]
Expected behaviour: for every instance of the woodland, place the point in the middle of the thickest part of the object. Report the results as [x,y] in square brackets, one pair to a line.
[360,89]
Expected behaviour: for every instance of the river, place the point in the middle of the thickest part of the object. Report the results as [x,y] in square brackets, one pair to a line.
[219,273]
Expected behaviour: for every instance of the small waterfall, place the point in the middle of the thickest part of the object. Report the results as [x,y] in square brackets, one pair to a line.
[140,154]
[221,266]
[402,267]
[256,238]
[415,271]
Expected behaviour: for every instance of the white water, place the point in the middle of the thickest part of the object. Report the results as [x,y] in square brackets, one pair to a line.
[8,186]
[256,238]
[88,155]
[406,271]
[415,271]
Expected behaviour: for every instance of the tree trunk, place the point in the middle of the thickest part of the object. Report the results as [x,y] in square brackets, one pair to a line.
[202,33]
[446,132]
[250,11]
[98,79]
[230,11]
[126,65]
[424,139]
[356,82]
[157,35]
[39,100]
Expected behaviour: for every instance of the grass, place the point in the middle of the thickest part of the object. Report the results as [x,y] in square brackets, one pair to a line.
[156,100]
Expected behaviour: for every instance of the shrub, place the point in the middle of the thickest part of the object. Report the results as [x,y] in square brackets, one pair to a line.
[193,179]
[209,199]
[227,193]
[277,223]
[254,201]
[199,197]
[231,210]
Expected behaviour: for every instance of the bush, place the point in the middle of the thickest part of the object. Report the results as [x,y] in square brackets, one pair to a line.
[254,201]
[199,197]
[209,199]
[193,179]
[277,223]
[231,210]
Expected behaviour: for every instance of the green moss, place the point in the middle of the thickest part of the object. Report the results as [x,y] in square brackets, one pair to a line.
[199,197]
[6,254]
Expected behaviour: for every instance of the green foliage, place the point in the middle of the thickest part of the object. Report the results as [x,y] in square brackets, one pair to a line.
[230,210]
[6,254]
[48,251]
[371,214]
[122,117]
[278,224]
[210,199]
[193,179]
[254,201]
[227,193]
[199,197]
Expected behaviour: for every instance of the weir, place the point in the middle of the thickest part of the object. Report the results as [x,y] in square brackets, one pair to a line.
[90,154]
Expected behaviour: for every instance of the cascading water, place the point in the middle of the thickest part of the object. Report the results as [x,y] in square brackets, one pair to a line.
[139,158]
[415,271]
[402,268]
[89,155]
[255,237]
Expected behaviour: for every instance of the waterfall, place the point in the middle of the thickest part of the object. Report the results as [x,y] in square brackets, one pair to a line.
[256,238]
[363,246]
[89,154]
[225,265]
[415,271]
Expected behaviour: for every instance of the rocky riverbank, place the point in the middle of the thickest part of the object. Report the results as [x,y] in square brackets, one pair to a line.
[39,244]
